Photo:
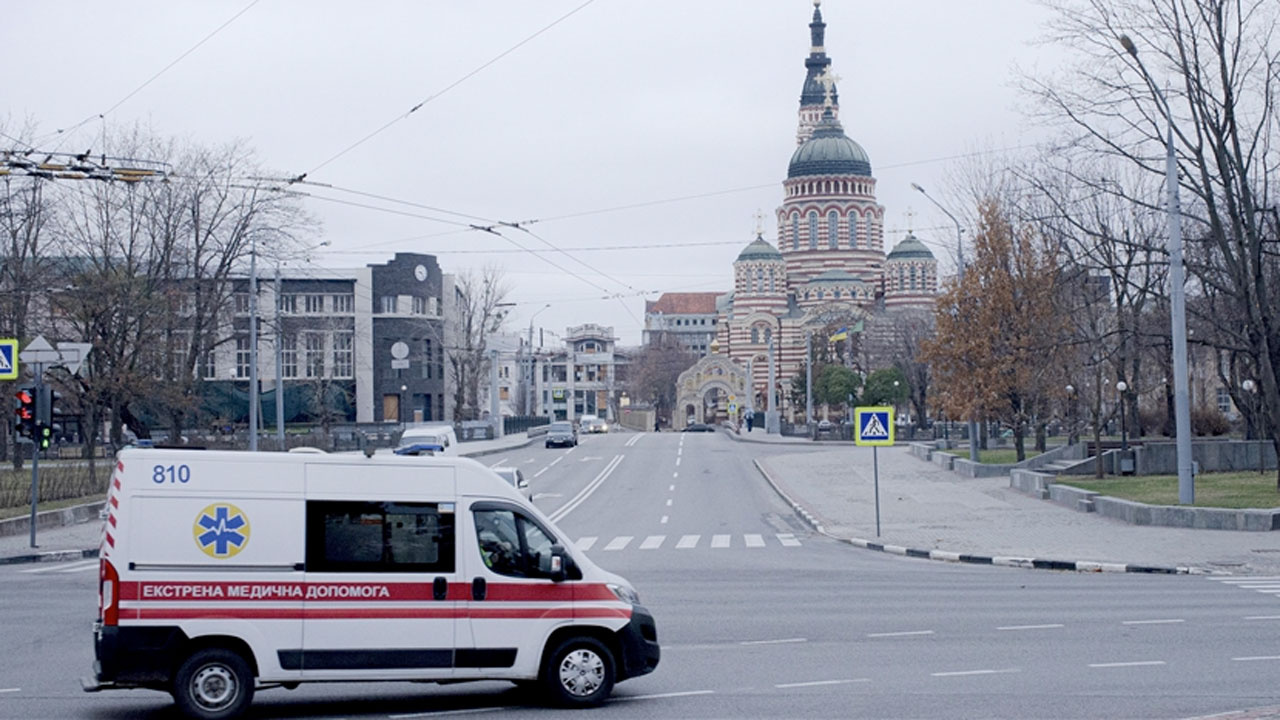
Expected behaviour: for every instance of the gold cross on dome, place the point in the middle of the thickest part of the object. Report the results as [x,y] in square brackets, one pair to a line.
[911,219]
[828,81]
[759,216]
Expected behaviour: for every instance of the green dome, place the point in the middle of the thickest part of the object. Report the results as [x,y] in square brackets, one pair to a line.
[834,276]
[829,152]
[759,249]
[910,249]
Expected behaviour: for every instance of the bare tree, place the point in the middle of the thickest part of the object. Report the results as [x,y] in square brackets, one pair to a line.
[1221,56]
[478,311]
[655,369]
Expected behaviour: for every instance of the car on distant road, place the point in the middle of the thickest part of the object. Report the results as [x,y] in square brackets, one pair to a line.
[515,478]
[562,434]
[594,425]
[698,427]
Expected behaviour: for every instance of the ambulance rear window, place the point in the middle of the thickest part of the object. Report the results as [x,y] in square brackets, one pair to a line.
[379,537]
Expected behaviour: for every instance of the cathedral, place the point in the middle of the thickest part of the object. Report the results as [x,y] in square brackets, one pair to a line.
[828,269]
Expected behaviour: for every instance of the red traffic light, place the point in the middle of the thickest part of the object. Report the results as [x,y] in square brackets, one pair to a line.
[25,397]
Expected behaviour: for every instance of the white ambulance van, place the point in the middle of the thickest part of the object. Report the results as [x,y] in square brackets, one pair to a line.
[222,573]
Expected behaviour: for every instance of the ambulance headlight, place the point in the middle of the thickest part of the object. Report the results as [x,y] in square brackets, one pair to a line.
[625,594]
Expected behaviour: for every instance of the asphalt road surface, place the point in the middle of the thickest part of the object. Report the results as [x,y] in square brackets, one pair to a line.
[759,617]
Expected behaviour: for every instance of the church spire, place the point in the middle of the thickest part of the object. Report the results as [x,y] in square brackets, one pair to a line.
[818,94]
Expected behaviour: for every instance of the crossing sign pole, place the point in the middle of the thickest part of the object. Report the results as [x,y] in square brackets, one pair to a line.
[874,426]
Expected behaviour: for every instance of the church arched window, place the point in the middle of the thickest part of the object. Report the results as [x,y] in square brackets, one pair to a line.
[822,294]
[837,293]
[813,229]
[913,277]
[833,225]
[869,235]
[902,278]
[758,285]
[853,231]
[771,289]
[795,231]
[755,336]
[768,334]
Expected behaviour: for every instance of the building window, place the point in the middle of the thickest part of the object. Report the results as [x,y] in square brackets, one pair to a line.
[755,336]
[913,277]
[388,304]
[902,278]
[758,283]
[314,304]
[837,293]
[419,305]
[870,233]
[427,359]
[289,356]
[344,303]
[813,229]
[209,364]
[833,226]
[242,357]
[241,302]
[853,231]
[314,357]
[1224,400]
[770,284]
[289,304]
[795,231]
[768,334]
[343,355]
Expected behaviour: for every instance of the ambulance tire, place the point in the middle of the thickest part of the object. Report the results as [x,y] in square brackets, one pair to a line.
[213,684]
[578,673]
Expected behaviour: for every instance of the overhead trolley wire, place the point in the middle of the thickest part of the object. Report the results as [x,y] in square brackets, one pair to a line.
[447,88]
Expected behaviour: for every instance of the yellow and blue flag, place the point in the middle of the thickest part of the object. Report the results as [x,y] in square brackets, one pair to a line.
[841,334]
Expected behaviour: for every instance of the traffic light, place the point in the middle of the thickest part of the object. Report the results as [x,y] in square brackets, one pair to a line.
[24,411]
[45,436]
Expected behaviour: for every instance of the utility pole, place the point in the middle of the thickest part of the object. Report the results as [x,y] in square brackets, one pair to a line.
[494,414]
[771,424]
[808,379]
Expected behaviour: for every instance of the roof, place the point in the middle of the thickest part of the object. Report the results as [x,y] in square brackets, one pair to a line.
[759,249]
[699,303]
[829,152]
[910,249]
[835,276]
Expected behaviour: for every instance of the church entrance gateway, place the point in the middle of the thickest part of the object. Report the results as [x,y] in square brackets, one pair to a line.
[703,391]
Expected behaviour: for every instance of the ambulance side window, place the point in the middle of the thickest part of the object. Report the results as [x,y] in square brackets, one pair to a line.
[379,537]
[512,544]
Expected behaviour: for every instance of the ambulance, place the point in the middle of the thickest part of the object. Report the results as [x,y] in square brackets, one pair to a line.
[223,573]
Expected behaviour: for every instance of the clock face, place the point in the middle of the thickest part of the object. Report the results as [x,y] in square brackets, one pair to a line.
[420,272]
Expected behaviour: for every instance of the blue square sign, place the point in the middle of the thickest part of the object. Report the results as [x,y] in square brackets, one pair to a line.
[873,425]
[8,359]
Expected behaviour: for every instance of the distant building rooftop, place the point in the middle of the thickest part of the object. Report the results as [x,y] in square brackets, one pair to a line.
[699,303]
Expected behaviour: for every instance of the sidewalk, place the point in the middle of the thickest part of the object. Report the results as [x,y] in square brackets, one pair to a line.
[939,514]
[81,539]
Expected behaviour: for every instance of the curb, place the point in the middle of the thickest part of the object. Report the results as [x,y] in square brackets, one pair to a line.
[996,560]
[51,556]
[495,451]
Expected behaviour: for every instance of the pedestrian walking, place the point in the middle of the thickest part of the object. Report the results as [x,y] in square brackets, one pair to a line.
[657,424]
[751,416]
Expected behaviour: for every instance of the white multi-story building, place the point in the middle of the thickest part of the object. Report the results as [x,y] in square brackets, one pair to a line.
[583,378]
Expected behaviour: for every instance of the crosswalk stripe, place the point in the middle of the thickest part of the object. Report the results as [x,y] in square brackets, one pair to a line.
[754,541]
[720,541]
[688,541]
[653,542]
[788,540]
[586,543]
[619,542]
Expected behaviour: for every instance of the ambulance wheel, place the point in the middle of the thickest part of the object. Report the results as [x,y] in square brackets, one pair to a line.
[578,673]
[213,684]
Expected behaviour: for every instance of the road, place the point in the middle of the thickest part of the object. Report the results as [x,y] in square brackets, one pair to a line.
[759,617]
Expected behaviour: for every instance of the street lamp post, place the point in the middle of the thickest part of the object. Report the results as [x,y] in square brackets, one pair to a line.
[1254,416]
[253,343]
[973,424]
[400,405]
[1070,414]
[1124,431]
[1177,296]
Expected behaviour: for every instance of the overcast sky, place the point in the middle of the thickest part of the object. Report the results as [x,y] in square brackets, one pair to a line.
[623,103]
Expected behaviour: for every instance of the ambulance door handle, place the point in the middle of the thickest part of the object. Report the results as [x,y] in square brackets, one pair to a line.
[440,588]
[478,589]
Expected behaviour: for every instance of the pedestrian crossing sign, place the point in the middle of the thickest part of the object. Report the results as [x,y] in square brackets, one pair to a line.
[8,358]
[873,426]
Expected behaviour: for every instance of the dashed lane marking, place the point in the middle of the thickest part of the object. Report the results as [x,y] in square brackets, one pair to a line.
[542,471]
[903,633]
[818,683]
[671,488]
[782,641]
[720,541]
[1256,657]
[660,696]
[446,713]
[664,519]
[1047,626]
[1263,617]
[965,673]
[1168,621]
[1135,663]
[586,543]
[754,540]
[668,502]
[9,690]
[653,542]
[788,540]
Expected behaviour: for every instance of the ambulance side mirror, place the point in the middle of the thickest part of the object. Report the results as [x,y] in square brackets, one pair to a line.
[560,563]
